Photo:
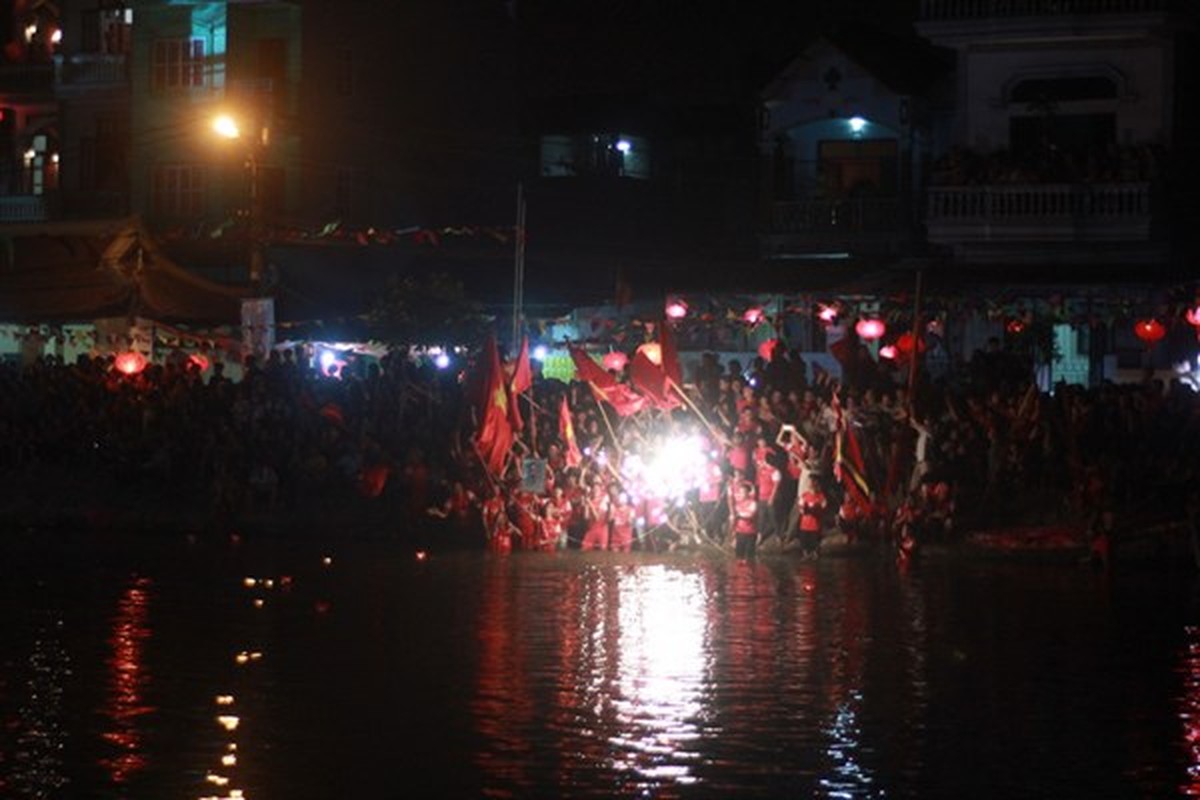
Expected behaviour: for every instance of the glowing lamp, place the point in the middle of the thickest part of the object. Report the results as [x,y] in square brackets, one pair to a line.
[1149,330]
[753,315]
[198,361]
[130,363]
[767,349]
[888,351]
[441,361]
[615,361]
[857,124]
[653,352]
[907,342]
[540,352]
[870,329]
[1015,326]
[676,309]
[827,314]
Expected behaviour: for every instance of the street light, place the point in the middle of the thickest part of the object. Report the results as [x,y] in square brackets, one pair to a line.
[227,127]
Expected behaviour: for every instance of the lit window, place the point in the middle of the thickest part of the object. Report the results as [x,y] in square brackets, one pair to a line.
[177,190]
[178,64]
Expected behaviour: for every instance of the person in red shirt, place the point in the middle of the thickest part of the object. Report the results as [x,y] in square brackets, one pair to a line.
[495,521]
[766,479]
[812,507]
[744,519]
[526,518]
[556,513]
[623,516]
[598,516]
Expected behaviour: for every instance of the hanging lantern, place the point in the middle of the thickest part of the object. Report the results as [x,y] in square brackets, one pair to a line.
[653,352]
[888,351]
[615,361]
[767,349]
[130,363]
[753,315]
[1149,331]
[905,344]
[1015,326]
[827,314]
[676,309]
[870,329]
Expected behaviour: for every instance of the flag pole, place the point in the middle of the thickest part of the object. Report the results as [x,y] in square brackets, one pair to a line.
[916,337]
[518,308]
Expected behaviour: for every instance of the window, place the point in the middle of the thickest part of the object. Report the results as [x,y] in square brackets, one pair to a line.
[177,190]
[41,165]
[178,64]
[107,30]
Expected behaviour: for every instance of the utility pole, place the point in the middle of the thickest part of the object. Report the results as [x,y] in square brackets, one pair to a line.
[518,310]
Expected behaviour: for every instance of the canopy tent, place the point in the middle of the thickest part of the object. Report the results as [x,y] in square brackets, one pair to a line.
[55,273]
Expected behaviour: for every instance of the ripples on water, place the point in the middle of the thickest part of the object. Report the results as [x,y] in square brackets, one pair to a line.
[267,670]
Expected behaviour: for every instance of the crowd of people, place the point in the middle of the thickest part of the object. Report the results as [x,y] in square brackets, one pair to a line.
[792,456]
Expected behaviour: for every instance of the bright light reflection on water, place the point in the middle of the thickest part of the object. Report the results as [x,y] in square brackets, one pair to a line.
[662,669]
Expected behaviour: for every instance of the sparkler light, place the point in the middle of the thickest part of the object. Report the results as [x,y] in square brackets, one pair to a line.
[667,468]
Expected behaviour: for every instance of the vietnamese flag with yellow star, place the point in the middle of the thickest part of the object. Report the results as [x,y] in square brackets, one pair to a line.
[566,431]
[495,437]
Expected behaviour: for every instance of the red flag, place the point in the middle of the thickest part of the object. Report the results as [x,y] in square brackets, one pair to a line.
[848,464]
[588,370]
[566,430]
[606,387]
[651,381]
[521,381]
[522,378]
[495,436]
[670,356]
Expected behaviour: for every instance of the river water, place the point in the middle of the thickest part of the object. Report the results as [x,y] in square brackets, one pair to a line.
[173,668]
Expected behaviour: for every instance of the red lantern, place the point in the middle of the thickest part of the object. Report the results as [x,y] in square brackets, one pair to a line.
[676,309]
[1149,330]
[753,316]
[767,349]
[652,351]
[1015,326]
[615,361]
[888,351]
[870,329]
[130,363]
[904,344]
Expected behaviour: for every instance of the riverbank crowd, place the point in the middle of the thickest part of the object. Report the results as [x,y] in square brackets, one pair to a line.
[787,454]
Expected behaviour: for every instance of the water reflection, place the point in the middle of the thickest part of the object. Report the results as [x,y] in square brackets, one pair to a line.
[128,677]
[662,666]
[38,764]
[1190,710]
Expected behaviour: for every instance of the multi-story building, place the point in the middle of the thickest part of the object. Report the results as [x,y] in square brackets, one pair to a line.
[1014,143]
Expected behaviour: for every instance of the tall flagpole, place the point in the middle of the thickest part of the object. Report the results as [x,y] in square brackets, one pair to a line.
[518,310]
[916,337]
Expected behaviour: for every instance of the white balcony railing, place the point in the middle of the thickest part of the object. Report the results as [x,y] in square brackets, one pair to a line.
[944,10]
[90,69]
[1040,212]
[26,208]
